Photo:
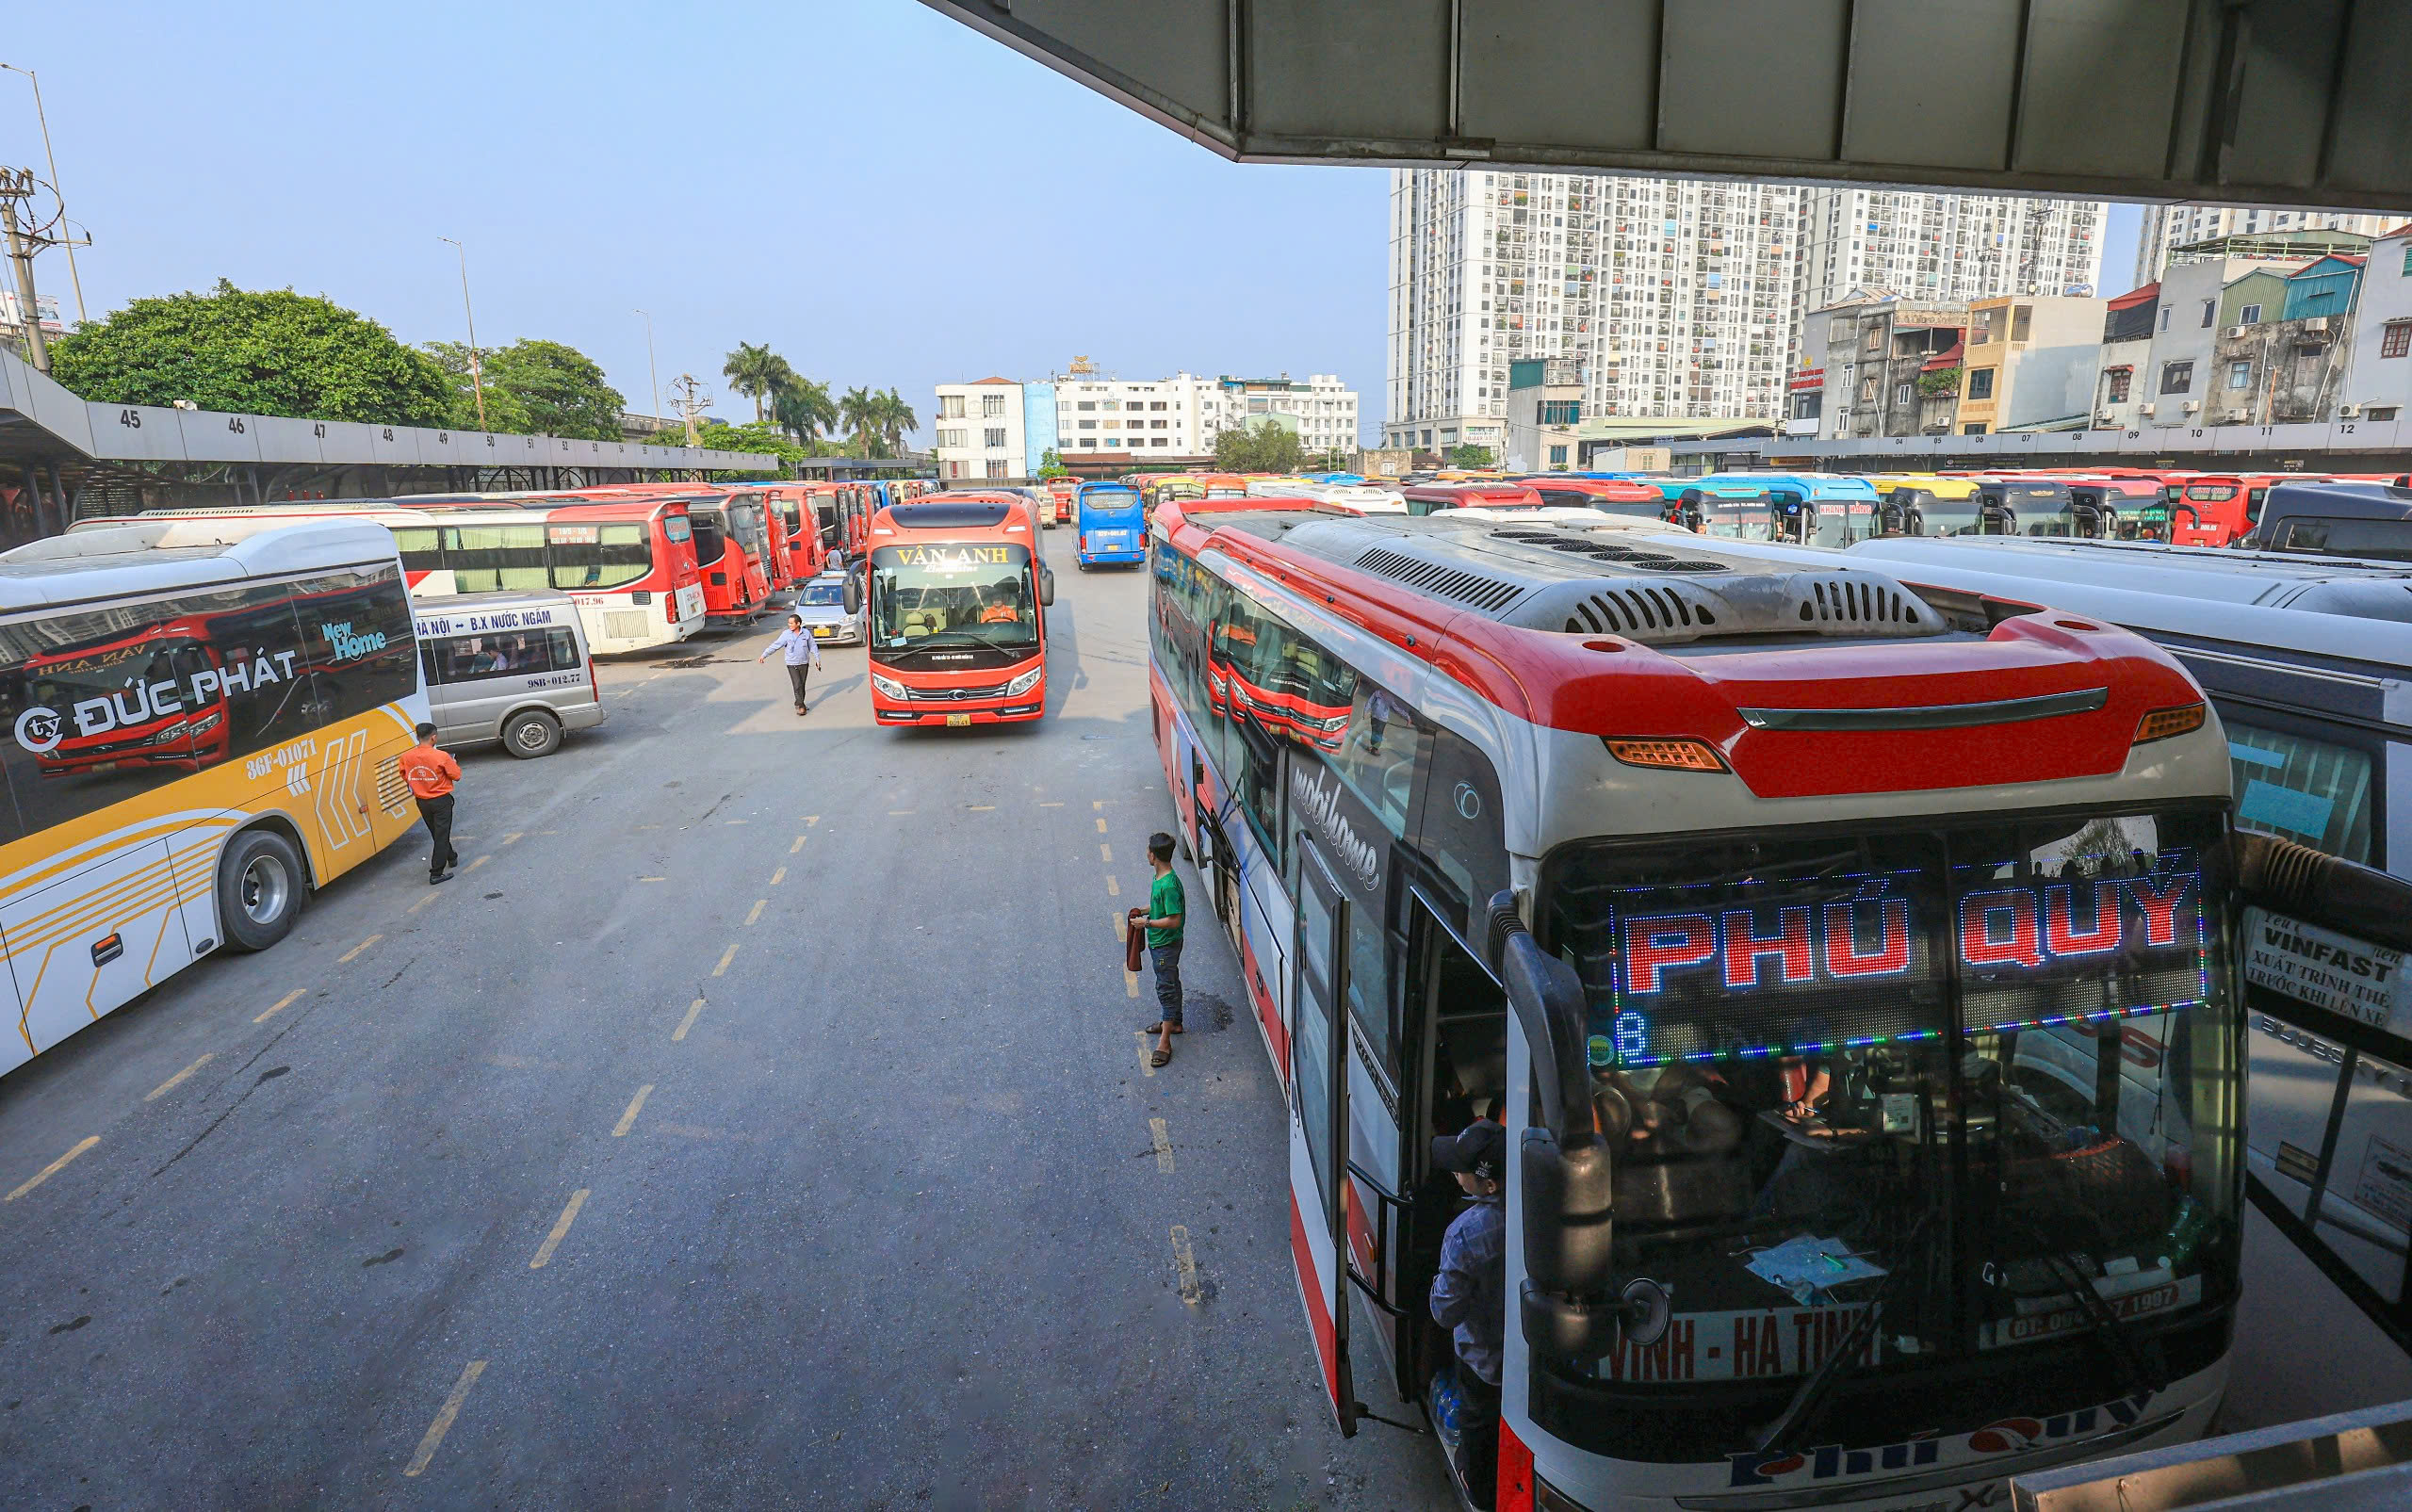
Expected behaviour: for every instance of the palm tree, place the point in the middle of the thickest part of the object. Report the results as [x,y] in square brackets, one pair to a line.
[757,372]
[804,409]
[895,418]
[858,413]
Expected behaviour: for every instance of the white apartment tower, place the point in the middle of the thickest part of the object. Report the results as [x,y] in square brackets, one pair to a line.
[1947,247]
[2170,226]
[1677,298]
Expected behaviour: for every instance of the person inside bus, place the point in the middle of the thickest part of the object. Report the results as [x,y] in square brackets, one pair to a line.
[1470,1294]
[998,607]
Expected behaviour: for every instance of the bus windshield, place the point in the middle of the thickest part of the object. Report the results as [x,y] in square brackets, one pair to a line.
[973,594]
[1953,516]
[1838,522]
[1998,1056]
[1738,519]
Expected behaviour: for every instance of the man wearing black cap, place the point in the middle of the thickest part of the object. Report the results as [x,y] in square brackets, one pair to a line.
[1469,1294]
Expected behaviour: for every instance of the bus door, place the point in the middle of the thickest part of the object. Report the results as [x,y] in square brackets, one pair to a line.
[1319,1124]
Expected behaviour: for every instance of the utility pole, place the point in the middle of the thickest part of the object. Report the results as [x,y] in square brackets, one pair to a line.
[691,398]
[477,376]
[17,184]
[43,121]
[650,370]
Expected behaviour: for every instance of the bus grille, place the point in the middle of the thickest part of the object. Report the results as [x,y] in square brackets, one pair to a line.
[393,789]
[954,695]
[627,623]
[1447,582]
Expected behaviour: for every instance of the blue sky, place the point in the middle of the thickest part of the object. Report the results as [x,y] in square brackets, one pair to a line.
[883,196]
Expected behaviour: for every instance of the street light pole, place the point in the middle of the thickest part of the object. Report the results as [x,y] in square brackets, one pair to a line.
[43,121]
[477,378]
[650,370]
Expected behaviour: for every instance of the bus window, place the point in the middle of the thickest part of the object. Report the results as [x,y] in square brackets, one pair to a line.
[355,635]
[486,559]
[598,556]
[421,548]
[2380,540]
[2302,788]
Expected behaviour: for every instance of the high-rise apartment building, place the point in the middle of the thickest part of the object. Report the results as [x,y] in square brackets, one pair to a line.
[1675,297]
[1947,247]
[999,428]
[2167,227]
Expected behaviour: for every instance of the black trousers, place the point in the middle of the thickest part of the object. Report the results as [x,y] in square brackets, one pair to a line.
[797,676]
[438,813]
[1478,1451]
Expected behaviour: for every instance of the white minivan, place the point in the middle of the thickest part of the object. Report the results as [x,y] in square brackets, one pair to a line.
[507,667]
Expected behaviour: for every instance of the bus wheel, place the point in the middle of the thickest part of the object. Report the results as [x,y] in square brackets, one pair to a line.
[260,889]
[530,734]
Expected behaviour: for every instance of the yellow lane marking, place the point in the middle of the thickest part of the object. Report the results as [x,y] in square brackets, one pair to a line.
[561,1229]
[726,957]
[648,826]
[1122,922]
[760,903]
[1113,889]
[1147,1049]
[1099,804]
[53,1168]
[898,813]
[1186,1264]
[1101,826]
[421,904]
[1163,1143]
[172,1082]
[443,1423]
[695,1010]
[653,879]
[1131,984]
[736,822]
[797,846]
[812,819]
[628,1119]
[474,865]
[280,1006]
[513,837]
[1050,806]
[778,876]
[357,949]
[1105,853]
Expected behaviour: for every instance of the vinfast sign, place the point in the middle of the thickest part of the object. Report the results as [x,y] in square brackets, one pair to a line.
[1855,960]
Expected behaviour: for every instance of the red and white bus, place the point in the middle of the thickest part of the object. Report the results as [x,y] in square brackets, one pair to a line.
[1793,922]
[733,548]
[628,563]
[797,546]
[954,588]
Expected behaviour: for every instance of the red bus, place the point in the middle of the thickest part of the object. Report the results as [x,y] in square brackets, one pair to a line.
[1062,492]
[732,542]
[953,590]
[629,563]
[797,554]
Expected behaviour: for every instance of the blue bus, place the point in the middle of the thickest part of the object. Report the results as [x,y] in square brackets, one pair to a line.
[1817,508]
[1113,526]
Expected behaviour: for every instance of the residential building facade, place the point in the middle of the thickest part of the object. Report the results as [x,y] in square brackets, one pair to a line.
[1545,410]
[2029,364]
[2288,365]
[2168,227]
[1947,247]
[1001,428]
[2378,371]
[1877,361]
[2129,325]
[980,429]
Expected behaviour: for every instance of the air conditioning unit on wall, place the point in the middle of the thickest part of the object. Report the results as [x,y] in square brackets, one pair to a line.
[2193,405]
[2349,411]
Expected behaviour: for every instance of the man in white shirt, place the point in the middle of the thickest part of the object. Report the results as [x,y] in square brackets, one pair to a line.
[802,655]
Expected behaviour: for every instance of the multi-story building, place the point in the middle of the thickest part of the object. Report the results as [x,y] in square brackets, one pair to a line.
[1876,361]
[1675,297]
[2029,364]
[2168,227]
[2281,358]
[2129,325]
[2378,376]
[1947,245]
[1544,407]
[1000,429]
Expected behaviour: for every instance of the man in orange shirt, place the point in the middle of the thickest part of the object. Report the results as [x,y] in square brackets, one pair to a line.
[431,774]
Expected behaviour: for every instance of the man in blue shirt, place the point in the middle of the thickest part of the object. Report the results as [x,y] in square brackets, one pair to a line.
[802,655]
[1469,1292]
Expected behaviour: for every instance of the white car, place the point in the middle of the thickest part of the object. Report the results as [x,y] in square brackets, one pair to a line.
[822,604]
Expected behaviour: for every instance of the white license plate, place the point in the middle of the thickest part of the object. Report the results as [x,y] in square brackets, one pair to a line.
[958,719]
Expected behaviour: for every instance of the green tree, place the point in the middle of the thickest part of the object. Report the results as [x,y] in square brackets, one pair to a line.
[1469,455]
[265,351]
[858,413]
[504,413]
[1263,448]
[1051,464]
[896,418]
[758,435]
[757,372]
[804,410]
[560,388]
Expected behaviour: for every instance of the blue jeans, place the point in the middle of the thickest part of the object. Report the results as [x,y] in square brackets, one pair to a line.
[1166,960]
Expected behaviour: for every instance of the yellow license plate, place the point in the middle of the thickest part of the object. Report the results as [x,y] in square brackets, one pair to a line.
[958,719]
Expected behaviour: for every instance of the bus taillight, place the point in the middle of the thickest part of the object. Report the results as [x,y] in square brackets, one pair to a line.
[1674,756]
[2161,723]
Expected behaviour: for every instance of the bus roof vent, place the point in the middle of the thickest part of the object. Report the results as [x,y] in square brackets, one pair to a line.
[1656,612]
[1656,606]
[1448,582]
[1835,600]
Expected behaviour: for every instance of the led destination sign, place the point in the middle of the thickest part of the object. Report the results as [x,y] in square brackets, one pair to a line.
[1750,967]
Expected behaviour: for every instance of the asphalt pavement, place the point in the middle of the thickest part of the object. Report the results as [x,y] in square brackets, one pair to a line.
[759,1119]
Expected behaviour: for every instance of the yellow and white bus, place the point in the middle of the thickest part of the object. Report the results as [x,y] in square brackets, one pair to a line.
[199,732]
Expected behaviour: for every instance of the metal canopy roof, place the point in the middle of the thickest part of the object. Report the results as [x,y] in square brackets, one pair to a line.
[2292,102]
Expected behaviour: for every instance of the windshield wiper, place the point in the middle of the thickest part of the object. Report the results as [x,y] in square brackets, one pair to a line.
[1807,1403]
[2139,1374]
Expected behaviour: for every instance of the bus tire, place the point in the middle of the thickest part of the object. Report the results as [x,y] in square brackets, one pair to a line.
[530,734]
[261,888]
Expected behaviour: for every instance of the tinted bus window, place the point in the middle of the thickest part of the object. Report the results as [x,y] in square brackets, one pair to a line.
[421,547]
[488,559]
[356,638]
[2300,789]
[2384,540]
[598,556]
[709,542]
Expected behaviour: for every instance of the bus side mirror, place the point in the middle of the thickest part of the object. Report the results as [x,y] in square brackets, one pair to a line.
[854,594]
[1046,587]
[1567,1187]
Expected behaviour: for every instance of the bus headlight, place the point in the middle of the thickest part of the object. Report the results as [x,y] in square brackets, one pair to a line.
[889,688]
[1024,683]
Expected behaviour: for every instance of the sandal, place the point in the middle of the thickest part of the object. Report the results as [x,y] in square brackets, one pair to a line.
[1160,1058]
[1158,1028]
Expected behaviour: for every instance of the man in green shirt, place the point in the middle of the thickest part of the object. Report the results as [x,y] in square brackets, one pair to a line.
[1166,905]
